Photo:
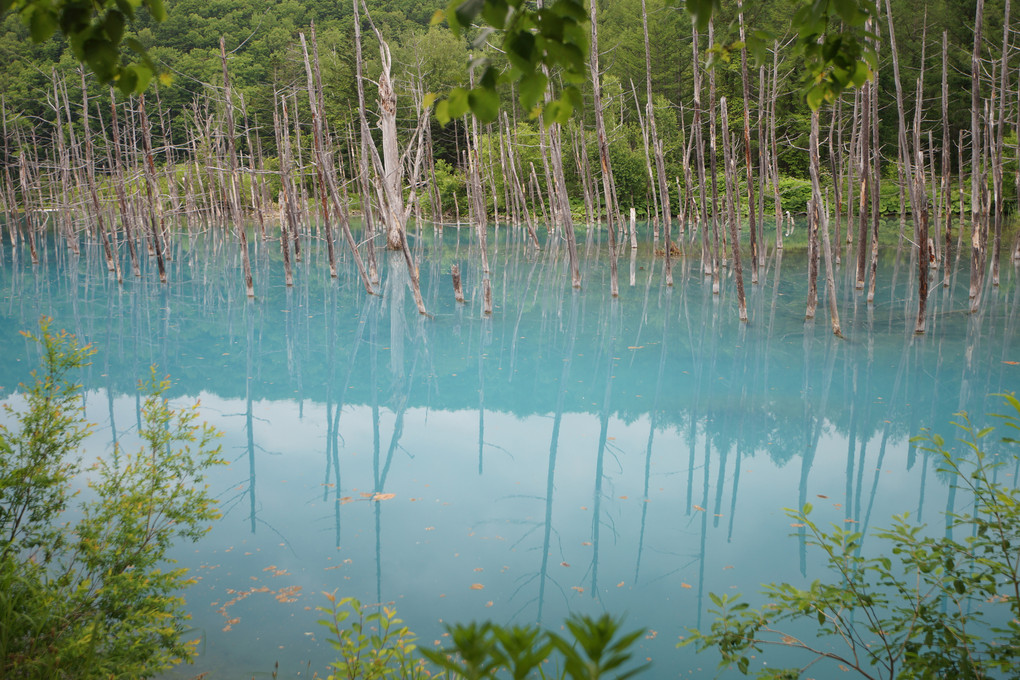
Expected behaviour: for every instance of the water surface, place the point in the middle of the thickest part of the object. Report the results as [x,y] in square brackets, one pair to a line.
[570,453]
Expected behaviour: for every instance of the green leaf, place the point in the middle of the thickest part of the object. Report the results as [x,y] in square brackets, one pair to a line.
[532,87]
[101,56]
[157,9]
[495,13]
[465,11]
[458,102]
[484,103]
[42,23]
[127,8]
[113,26]
[815,96]
[443,112]
[521,50]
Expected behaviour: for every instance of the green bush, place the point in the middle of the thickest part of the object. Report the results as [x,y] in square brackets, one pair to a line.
[86,588]
[926,607]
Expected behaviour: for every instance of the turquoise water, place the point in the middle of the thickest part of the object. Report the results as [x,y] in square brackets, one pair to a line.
[570,453]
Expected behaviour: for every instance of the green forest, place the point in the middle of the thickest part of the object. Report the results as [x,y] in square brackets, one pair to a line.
[265,60]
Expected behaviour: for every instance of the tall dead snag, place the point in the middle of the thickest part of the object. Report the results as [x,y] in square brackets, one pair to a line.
[747,146]
[286,201]
[730,168]
[390,169]
[697,133]
[10,203]
[864,166]
[716,260]
[600,135]
[660,165]
[814,211]
[922,251]
[946,159]
[1000,121]
[25,176]
[876,175]
[235,180]
[774,154]
[975,110]
[906,154]
[155,226]
[112,262]
[818,214]
[319,154]
[560,195]
[118,185]
[63,160]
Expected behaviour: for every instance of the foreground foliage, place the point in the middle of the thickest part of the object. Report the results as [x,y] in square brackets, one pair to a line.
[378,646]
[86,589]
[927,607]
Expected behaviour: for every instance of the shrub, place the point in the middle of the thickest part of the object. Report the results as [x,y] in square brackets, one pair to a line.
[927,607]
[86,588]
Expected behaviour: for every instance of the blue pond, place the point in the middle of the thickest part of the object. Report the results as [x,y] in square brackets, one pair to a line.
[570,453]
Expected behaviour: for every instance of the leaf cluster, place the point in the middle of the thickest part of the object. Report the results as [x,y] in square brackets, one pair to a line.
[536,42]
[95,596]
[928,607]
[95,31]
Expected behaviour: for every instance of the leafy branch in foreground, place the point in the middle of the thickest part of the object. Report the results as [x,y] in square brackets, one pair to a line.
[85,588]
[938,607]
[377,646]
[95,32]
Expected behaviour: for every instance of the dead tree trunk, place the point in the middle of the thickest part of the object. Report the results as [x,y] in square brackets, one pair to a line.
[155,228]
[923,255]
[747,147]
[730,171]
[112,262]
[818,217]
[1000,121]
[975,110]
[600,134]
[946,160]
[235,180]
[319,154]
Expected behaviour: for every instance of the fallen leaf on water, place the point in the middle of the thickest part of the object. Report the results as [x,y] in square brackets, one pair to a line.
[479,569]
[586,543]
[489,603]
[728,566]
[577,588]
[345,500]
[686,585]
[623,498]
[620,584]
[1012,363]
[850,521]
[821,495]
[383,496]
[564,564]
[477,586]
[430,528]
[796,524]
[698,507]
